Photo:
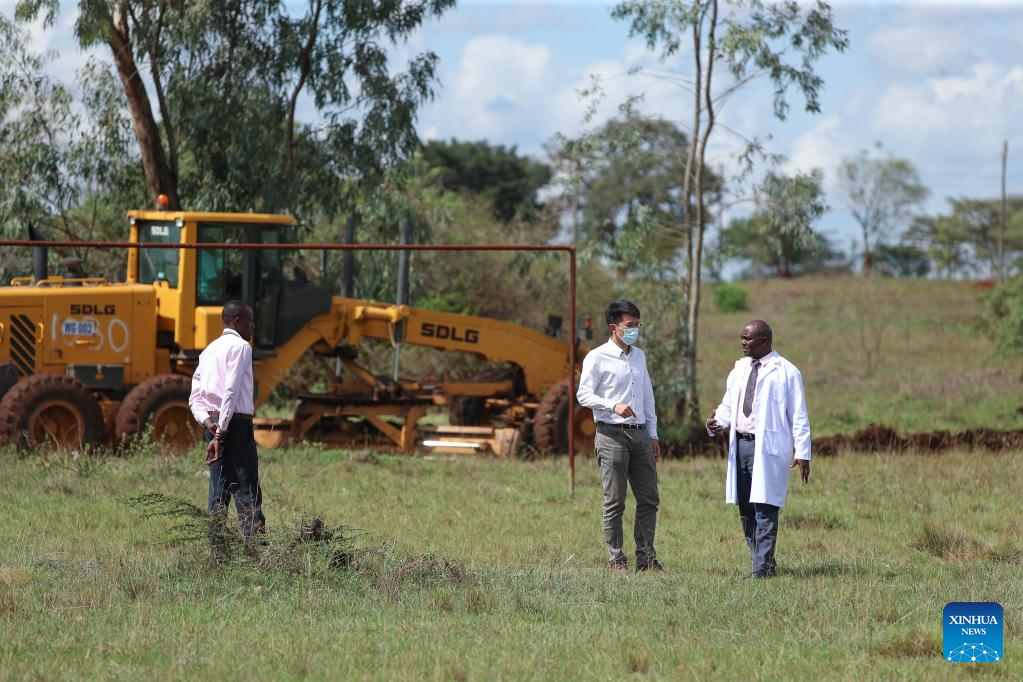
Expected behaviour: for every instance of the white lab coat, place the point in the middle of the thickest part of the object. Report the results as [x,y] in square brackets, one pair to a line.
[782,427]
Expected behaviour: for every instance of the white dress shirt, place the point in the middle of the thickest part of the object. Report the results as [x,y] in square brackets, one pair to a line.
[744,424]
[611,376]
[223,380]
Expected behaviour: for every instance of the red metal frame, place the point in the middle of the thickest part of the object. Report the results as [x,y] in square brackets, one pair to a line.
[567,248]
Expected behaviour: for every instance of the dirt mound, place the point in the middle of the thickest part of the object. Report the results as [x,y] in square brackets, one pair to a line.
[875,438]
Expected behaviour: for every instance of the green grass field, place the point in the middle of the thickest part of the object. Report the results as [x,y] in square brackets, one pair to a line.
[481,569]
[908,354]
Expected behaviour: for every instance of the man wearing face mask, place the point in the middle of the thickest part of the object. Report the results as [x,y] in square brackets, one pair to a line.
[615,384]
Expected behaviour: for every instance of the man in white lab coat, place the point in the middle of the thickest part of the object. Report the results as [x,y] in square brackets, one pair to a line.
[764,410]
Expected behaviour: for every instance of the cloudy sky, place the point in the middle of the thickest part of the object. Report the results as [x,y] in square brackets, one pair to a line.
[939,83]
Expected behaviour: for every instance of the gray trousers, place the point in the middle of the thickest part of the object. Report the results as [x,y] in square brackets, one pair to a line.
[626,457]
[759,521]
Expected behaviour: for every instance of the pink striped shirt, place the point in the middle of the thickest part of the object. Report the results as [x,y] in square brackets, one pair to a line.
[223,380]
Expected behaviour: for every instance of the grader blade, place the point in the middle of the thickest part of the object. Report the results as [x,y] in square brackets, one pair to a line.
[451,440]
[468,440]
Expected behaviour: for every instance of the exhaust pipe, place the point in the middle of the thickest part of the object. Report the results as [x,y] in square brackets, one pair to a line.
[39,255]
[347,276]
[403,282]
[348,261]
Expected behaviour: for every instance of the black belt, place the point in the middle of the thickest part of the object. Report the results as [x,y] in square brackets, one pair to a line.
[215,416]
[745,436]
[623,426]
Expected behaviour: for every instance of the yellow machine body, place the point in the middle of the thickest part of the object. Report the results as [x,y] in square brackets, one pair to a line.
[102,327]
[133,345]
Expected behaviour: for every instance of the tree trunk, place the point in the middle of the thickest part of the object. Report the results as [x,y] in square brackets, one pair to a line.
[704,87]
[684,407]
[784,271]
[304,67]
[868,264]
[868,257]
[161,98]
[158,173]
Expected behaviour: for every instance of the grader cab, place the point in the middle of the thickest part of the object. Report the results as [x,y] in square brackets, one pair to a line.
[83,360]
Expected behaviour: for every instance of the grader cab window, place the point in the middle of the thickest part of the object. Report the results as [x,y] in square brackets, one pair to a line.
[232,274]
[220,273]
[159,264]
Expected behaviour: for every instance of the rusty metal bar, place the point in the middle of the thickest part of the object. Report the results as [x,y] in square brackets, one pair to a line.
[292,247]
[567,248]
[571,373]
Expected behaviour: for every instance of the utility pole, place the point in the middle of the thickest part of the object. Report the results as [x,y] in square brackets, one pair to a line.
[1001,226]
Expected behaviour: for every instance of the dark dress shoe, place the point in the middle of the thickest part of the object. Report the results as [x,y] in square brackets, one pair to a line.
[761,575]
[652,566]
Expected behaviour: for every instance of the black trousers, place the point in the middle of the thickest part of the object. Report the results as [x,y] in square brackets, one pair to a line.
[236,473]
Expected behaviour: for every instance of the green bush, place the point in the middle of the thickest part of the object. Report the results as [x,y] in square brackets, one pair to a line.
[1004,323]
[729,298]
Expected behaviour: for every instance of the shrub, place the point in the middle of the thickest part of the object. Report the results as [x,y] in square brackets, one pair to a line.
[729,298]
[1004,323]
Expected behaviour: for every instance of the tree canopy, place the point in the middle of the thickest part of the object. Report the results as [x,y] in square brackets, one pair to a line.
[499,174]
[883,192]
[621,188]
[215,93]
[780,233]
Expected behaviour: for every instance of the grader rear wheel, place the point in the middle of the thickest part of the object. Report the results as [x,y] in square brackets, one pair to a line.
[550,425]
[163,402]
[52,410]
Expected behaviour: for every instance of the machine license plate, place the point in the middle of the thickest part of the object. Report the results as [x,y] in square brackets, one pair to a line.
[76,328]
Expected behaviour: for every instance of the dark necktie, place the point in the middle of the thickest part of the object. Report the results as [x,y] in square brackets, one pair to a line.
[751,387]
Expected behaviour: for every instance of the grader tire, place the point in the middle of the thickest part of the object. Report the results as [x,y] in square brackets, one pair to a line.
[163,402]
[550,424]
[472,410]
[50,410]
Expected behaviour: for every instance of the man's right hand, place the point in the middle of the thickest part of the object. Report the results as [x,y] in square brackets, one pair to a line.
[712,424]
[213,451]
[210,425]
[623,410]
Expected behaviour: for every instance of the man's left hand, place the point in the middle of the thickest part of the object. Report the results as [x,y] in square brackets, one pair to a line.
[804,469]
[656,445]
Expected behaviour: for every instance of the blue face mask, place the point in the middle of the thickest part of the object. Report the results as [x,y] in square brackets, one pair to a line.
[630,335]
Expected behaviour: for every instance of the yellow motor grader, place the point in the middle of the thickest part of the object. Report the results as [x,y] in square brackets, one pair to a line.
[84,360]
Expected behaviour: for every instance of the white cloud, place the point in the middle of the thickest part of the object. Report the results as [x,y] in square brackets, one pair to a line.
[823,146]
[512,91]
[922,49]
[499,84]
[984,105]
